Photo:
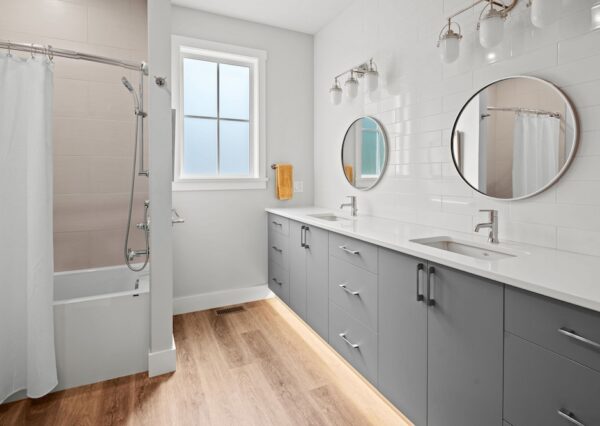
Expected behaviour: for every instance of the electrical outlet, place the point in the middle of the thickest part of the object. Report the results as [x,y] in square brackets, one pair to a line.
[299,186]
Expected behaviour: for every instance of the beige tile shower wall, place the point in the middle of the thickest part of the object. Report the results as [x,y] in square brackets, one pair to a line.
[419,99]
[93,121]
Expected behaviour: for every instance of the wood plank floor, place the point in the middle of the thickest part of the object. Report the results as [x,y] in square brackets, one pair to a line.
[261,366]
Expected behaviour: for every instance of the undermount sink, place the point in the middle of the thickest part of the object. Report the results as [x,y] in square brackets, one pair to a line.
[329,217]
[470,249]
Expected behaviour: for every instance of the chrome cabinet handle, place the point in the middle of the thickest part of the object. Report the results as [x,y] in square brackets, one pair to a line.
[277,282]
[420,268]
[345,339]
[567,415]
[303,242]
[347,250]
[344,287]
[573,335]
[430,275]
[277,249]
[276,223]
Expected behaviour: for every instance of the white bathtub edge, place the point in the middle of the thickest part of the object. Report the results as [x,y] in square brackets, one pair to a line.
[217,299]
[162,362]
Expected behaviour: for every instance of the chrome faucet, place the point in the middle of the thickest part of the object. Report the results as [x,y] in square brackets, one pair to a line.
[351,204]
[492,225]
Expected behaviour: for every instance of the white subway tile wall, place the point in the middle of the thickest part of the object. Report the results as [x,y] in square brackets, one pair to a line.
[93,121]
[419,98]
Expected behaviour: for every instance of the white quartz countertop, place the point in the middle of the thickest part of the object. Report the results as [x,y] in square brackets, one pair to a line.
[561,275]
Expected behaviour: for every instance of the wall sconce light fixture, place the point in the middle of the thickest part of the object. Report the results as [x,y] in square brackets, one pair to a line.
[368,70]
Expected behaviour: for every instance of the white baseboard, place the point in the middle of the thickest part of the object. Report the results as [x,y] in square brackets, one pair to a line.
[162,362]
[201,302]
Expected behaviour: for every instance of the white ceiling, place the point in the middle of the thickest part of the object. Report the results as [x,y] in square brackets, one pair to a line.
[307,16]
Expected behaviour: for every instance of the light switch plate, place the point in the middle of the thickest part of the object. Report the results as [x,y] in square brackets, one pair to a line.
[299,186]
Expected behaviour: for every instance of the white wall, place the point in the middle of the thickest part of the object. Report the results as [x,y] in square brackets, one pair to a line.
[418,101]
[222,245]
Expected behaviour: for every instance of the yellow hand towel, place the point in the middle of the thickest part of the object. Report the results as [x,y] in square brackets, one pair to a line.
[349,172]
[284,185]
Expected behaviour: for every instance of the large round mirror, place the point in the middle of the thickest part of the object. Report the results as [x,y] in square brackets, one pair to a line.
[364,153]
[514,138]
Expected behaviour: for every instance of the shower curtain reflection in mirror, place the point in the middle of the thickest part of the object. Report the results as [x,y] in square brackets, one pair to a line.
[27,358]
[536,148]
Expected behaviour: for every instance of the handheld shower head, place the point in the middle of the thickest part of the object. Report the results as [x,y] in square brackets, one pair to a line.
[127,84]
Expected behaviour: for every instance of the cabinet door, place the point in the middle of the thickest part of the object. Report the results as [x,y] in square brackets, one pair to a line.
[297,269]
[317,275]
[465,350]
[403,334]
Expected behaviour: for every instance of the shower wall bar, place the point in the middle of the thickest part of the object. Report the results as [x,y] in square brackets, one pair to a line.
[525,110]
[37,49]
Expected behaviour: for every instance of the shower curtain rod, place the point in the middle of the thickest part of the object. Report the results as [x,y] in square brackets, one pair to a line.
[527,110]
[71,54]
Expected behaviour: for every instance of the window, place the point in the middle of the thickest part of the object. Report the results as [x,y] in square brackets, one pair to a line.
[219,101]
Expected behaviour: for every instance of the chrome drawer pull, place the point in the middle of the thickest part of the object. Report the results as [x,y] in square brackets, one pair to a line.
[276,223]
[277,282]
[573,335]
[277,249]
[345,339]
[567,415]
[347,250]
[344,287]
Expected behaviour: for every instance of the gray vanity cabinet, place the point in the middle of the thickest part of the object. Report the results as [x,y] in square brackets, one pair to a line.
[440,342]
[297,269]
[403,334]
[306,254]
[317,275]
[465,336]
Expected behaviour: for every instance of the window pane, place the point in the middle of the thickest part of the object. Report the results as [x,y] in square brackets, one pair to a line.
[199,147]
[235,148]
[234,84]
[200,88]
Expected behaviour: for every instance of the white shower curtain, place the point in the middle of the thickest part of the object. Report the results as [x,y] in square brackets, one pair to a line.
[535,152]
[27,359]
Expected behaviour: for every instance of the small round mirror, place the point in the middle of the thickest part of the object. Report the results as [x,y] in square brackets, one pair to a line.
[364,153]
[515,138]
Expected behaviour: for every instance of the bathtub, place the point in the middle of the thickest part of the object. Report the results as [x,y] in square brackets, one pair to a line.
[101,324]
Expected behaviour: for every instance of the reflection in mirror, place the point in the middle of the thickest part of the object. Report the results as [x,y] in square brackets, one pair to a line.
[514,138]
[364,153]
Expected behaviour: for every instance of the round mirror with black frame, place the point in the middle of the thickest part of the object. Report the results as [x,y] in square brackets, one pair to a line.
[364,153]
[515,138]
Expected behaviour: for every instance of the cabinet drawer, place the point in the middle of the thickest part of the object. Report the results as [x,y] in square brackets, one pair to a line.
[358,296]
[555,325]
[279,281]
[539,383]
[279,224]
[364,356]
[279,249]
[354,251]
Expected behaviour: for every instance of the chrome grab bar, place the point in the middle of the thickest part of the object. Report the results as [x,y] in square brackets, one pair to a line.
[573,335]
[345,339]
[347,250]
[175,218]
[567,415]
[344,286]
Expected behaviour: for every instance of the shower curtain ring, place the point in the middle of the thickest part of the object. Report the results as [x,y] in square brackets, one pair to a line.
[32,50]
[49,53]
[9,54]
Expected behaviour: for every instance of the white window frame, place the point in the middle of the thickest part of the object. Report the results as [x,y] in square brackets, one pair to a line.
[186,47]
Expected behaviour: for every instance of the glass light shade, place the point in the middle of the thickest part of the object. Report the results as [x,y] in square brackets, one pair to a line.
[596,16]
[351,86]
[335,95]
[372,79]
[491,29]
[544,12]
[449,48]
